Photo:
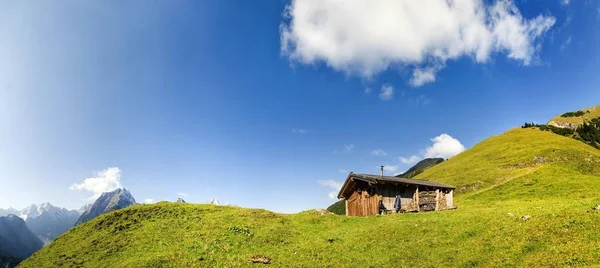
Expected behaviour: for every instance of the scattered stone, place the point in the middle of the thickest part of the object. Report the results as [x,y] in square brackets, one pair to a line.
[330,240]
[322,212]
[525,218]
[597,207]
[260,259]
[510,214]
[538,160]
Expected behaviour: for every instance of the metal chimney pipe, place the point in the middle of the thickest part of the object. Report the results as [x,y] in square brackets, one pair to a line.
[381,172]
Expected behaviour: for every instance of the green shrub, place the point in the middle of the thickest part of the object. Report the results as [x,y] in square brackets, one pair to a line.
[574,114]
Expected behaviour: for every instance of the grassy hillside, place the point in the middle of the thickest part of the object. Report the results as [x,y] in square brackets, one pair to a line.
[588,114]
[527,202]
[518,153]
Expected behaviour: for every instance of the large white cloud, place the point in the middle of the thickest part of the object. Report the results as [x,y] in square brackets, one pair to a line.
[444,146]
[104,181]
[366,37]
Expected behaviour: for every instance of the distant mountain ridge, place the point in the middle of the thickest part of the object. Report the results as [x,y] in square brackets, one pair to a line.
[45,220]
[107,202]
[16,240]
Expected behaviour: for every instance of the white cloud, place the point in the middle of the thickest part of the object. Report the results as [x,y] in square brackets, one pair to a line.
[334,185]
[365,37]
[368,90]
[387,92]
[565,2]
[148,201]
[378,152]
[565,44]
[182,194]
[348,147]
[444,146]
[409,160]
[390,169]
[299,130]
[104,181]
[422,76]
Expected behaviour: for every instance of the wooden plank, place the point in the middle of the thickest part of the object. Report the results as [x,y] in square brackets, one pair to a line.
[346,205]
[437,199]
[418,207]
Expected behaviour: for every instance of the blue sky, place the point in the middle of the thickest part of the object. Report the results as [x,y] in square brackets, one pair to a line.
[265,106]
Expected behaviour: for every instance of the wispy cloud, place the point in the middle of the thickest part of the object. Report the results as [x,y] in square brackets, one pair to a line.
[348,147]
[182,194]
[423,76]
[378,152]
[334,185]
[565,44]
[409,160]
[104,181]
[387,92]
[390,169]
[299,130]
[148,201]
[368,90]
[565,2]
[422,100]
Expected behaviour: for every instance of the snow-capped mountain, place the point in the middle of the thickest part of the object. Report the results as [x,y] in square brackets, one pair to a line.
[9,211]
[117,199]
[45,220]
[215,202]
[48,221]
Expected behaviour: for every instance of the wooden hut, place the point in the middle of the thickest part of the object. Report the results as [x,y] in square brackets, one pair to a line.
[363,193]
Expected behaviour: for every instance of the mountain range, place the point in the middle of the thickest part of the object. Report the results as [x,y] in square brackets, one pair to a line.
[45,220]
[16,240]
[22,232]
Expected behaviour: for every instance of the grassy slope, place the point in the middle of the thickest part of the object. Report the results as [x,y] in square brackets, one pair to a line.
[593,113]
[558,195]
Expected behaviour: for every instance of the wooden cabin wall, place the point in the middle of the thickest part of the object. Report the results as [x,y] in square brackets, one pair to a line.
[389,192]
[362,203]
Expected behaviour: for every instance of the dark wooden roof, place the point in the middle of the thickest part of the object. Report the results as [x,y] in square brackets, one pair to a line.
[377,179]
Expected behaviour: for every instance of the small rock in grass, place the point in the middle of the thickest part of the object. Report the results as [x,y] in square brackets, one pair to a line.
[597,207]
[510,214]
[525,218]
[260,259]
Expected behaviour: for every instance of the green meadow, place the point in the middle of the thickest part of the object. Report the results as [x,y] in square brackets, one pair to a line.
[525,199]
